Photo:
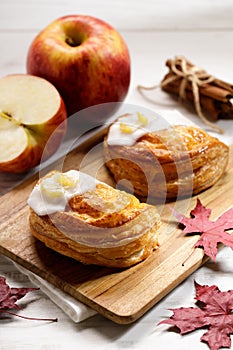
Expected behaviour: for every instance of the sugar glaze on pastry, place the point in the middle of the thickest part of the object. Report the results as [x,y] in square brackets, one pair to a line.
[180,160]
[93,223]
[53,192]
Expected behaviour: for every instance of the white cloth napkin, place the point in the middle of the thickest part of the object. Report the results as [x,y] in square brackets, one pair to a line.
[72,307]
[76,310]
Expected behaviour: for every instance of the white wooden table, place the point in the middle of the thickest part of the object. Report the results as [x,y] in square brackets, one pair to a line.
[154,31]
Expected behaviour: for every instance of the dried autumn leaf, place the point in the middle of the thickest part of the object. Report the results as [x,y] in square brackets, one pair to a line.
[212,232]
[215,313]
[9,296]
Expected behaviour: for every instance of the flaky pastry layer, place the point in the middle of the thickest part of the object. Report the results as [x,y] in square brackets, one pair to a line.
[180,161]
[103,227]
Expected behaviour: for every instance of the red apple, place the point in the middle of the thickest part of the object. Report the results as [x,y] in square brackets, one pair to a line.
[32,121]
[85,58]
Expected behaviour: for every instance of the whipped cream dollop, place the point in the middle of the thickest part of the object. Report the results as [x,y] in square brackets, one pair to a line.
[131,126]
[52,193]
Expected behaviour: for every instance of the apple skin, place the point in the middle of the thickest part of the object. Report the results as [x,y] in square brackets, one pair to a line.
[85,58]
[43,138]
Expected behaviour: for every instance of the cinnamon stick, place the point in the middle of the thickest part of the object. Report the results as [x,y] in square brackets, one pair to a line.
[216,96]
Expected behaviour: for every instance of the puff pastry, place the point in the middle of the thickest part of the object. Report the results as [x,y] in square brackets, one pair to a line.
[165,164]
[99,225]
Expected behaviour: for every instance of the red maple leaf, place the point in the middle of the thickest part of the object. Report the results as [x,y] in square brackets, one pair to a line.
[212,232]
[9,296]
[215,313]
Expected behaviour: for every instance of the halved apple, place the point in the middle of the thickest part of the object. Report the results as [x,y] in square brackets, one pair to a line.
[32,121]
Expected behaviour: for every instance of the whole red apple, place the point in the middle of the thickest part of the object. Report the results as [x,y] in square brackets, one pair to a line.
[32,121]
[85,58]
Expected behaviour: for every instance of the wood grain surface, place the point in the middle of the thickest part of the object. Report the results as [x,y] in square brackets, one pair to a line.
[122,295]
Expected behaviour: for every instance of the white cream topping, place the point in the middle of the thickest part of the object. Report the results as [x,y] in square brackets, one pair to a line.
[53,193]
[131,126]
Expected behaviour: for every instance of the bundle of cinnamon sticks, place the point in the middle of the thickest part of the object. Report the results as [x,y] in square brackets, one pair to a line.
[215,97]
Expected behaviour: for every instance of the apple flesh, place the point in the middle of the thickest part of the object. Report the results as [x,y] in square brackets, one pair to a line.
[32,121]
[85,58]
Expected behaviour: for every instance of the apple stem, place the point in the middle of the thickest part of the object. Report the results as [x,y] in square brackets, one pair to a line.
[71,42]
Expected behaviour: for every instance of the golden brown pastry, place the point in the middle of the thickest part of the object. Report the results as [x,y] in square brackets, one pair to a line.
[173,162]
[88,220]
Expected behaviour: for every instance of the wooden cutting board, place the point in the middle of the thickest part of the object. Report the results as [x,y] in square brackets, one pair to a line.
[122,295]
